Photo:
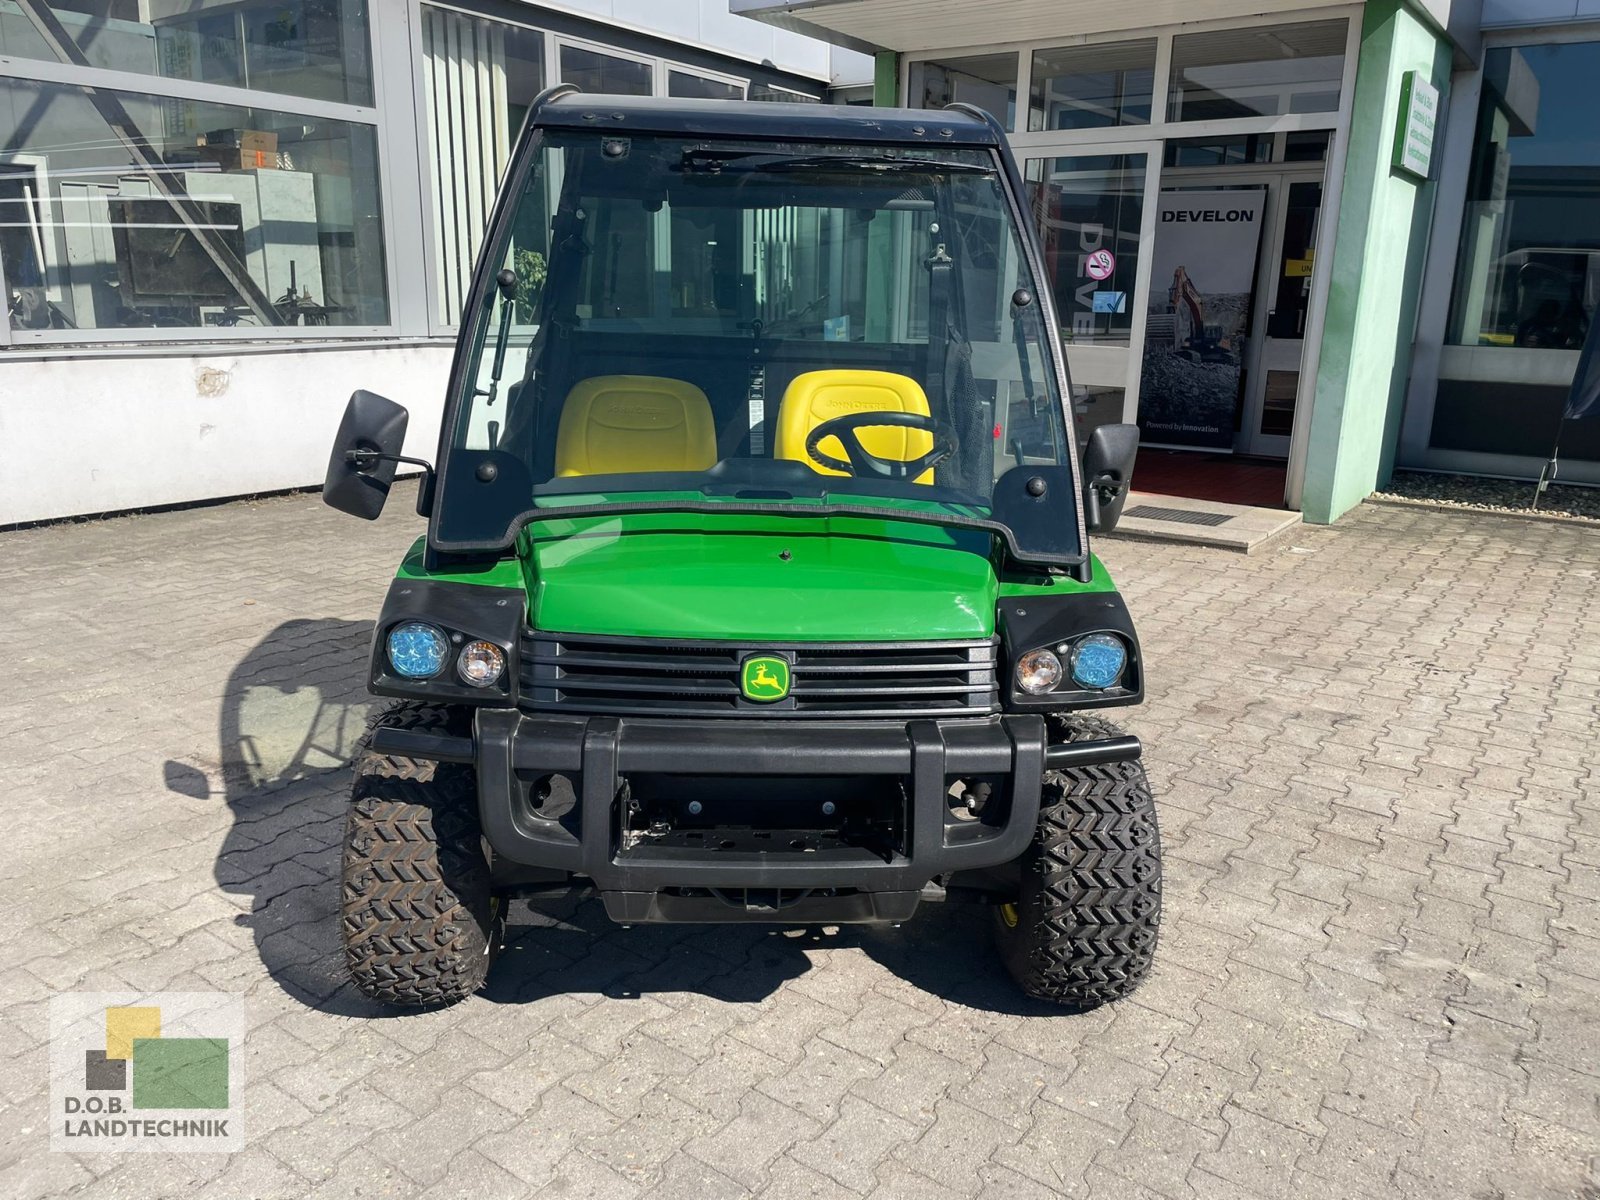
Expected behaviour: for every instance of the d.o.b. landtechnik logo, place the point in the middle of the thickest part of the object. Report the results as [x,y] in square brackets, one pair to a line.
[153,1072]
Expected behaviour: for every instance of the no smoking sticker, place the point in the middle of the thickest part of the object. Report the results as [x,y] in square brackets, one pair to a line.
[1100,264]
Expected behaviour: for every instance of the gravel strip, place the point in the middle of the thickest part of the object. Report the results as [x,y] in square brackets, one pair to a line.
[1492,495]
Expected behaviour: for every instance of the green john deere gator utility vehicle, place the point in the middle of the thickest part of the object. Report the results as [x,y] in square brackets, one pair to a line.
[756,584]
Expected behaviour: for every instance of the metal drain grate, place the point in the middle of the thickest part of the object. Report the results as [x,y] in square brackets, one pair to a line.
[1183,516]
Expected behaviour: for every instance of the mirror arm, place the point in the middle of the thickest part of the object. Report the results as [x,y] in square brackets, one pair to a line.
[1101,490]
[365,460]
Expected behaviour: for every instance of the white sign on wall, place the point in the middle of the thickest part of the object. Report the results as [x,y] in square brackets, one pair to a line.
[1419,115]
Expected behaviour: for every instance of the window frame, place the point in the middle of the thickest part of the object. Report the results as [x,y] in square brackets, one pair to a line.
[56,73]
[1159,127]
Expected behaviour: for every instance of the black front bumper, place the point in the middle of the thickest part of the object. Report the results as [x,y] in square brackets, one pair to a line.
[641,880]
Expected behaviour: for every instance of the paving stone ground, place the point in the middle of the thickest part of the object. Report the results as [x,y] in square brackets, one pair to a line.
[1376,757]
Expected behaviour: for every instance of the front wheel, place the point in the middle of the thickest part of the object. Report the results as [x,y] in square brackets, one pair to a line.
[1082,929]
[420,923]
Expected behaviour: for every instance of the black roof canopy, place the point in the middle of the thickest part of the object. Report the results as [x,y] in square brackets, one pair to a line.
[774,121]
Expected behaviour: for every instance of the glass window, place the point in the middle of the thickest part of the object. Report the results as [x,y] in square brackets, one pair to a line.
[1234,150]
[605,74]
[1529,266]
[1257,72]
[313,48]
[1090,209]
[1091,87]
[767,92]
[127,211]
[1094,406]
[986,80]
[698,87]
[1306,145]
[479,79]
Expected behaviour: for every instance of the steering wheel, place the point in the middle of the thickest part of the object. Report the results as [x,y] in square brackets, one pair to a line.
[861,461]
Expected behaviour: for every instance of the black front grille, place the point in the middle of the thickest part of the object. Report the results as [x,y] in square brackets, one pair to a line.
[660,677]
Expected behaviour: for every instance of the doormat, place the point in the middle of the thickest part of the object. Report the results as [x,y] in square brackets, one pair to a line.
[1183,516]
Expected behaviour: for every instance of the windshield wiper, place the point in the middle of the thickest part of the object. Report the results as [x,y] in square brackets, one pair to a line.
[715,162]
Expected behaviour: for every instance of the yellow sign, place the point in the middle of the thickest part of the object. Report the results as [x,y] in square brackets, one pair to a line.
[1296,268]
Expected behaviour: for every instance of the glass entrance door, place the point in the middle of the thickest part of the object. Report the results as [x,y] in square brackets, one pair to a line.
[1093,226]
[1266,348]
[1273,391]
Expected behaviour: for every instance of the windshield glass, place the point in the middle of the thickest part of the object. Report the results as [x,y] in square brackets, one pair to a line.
[717,322]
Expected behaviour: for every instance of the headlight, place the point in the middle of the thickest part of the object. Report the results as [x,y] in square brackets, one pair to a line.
[1098,660]
[417,650]
[1038,671]
[480,663]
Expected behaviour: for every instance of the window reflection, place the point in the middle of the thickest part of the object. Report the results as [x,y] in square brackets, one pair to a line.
[988,81]
[686,86]
[313,48]
[1090,209]
[1529,272]
[605,74]
[121,210]
[1261,72]
[479,79]
[1091,87]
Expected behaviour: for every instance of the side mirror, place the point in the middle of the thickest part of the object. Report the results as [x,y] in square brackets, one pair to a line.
[1108,475]
[366,451]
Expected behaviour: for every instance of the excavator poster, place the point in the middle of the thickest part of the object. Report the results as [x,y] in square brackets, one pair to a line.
[1203,271]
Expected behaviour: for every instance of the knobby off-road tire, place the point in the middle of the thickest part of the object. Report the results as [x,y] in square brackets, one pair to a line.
[1082,931]
[421,925]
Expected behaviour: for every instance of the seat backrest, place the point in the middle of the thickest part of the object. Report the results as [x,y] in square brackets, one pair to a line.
[819,396]
[625,424]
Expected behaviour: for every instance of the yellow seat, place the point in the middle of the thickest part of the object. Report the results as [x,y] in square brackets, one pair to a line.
[819,396]
[625,424]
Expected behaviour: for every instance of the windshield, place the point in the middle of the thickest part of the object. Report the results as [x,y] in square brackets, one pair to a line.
[703,322]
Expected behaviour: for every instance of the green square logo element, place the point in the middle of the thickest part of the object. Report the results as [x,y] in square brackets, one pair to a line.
[764,678]
[180,1073]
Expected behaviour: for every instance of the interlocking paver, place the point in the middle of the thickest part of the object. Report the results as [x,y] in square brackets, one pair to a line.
[1375,755]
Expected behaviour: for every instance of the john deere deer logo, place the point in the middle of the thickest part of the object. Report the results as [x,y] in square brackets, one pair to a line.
[764,679]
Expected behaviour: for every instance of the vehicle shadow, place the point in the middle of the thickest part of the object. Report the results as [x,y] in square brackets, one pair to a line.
[946,950]
[292,713]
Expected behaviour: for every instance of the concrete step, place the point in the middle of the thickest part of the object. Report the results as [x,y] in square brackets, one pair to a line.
[1236,527]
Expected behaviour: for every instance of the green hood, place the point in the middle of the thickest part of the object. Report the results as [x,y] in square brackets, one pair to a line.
[744,578]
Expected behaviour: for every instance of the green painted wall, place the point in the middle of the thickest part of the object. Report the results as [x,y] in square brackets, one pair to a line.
[886,79]
[1382,240]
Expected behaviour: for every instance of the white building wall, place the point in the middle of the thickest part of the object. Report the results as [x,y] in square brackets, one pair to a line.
[96,433]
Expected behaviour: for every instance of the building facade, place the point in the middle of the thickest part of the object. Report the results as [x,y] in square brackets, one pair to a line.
[1341,236]
[220,217]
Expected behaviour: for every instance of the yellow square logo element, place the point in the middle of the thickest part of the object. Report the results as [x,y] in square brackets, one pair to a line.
[123,1025]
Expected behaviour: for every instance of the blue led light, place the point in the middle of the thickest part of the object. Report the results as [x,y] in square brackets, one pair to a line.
[1098,660]
[417,651]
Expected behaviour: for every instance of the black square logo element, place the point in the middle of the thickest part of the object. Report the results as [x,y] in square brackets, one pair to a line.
[102,1074]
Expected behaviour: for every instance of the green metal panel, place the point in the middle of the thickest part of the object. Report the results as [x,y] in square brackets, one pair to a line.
[759,578]
[1376,272]
[756,578]
[886,79]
